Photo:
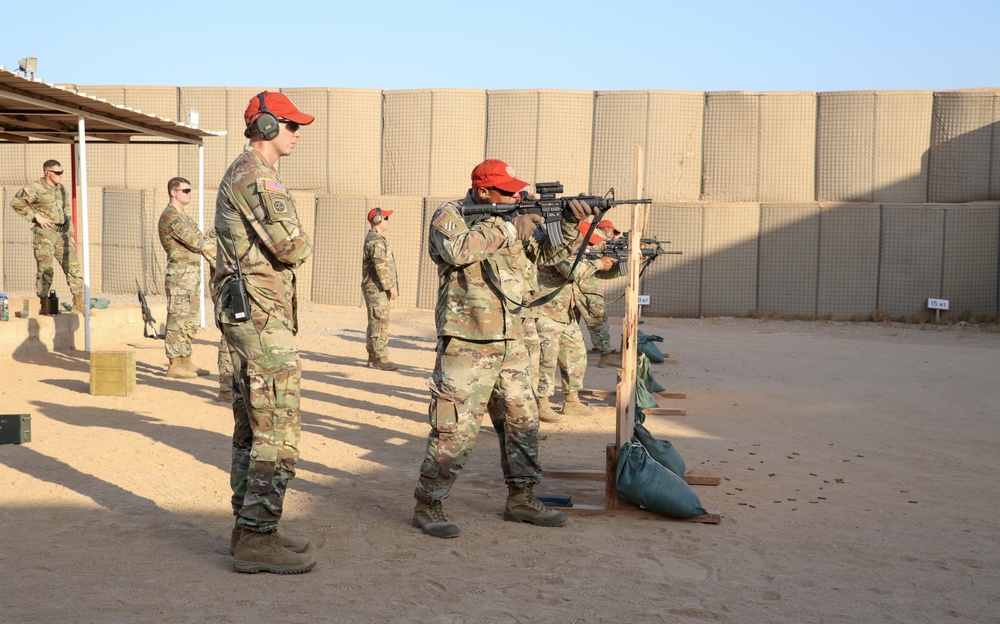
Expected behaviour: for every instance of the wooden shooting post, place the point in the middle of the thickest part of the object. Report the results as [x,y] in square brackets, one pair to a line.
[625,389]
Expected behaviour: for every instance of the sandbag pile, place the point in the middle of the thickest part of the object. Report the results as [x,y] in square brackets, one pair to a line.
[650,473]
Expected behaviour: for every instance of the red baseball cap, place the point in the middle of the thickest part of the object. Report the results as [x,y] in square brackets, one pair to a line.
[496,174]
[279,105]
[608,224]
[382,211]
[595,238]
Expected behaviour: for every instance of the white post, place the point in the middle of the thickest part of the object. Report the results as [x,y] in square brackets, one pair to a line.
[201,227]
[81,155]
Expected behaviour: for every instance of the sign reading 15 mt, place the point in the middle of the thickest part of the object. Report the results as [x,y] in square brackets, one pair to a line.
[938,304]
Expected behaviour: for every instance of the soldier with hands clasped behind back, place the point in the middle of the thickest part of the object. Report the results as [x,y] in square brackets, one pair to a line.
[379,285]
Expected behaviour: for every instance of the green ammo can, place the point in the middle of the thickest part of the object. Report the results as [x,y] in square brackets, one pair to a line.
[15,428]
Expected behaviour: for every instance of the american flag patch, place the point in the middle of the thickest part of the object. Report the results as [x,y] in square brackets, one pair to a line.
[273,186]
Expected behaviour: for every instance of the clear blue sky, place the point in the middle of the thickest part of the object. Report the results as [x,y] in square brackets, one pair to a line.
[811,45]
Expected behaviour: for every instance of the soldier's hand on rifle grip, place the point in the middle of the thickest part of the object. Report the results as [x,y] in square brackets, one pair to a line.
[581,210]
[607,263]
[526,224]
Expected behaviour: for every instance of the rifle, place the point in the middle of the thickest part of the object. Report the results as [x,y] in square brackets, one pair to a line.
[147,316]
[550,207]
[617,249]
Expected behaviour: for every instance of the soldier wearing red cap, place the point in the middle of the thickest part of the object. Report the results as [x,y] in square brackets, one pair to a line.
[590,305]
[260,243]
[379,286]
[482,361]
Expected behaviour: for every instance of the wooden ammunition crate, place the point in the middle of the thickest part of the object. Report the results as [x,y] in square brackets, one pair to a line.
[112,373]
[15,428]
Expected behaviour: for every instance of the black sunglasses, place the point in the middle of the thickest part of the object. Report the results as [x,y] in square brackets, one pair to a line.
[503,192]
[55,172]
[293,126]
[185,191]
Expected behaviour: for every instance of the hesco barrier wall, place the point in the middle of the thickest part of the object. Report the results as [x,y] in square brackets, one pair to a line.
[795,203]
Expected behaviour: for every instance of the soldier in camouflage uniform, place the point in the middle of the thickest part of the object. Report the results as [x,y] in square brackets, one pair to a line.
[185,246]
[259,231]
[379,285]
[590,301]
[529,323]
[46,205]
[482,360]
[561,342]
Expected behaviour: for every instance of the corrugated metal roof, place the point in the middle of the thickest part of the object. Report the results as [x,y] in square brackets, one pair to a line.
[33,110]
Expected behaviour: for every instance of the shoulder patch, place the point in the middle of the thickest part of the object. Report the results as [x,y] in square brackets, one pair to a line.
[271,186]
[445,221]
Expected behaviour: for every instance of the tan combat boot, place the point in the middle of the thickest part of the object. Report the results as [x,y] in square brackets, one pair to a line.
[294,543]
[78,305]
[177,370]
[225,396]
[545,412]
[572,406]
[430,519]
[199,372]
[262,552]
[385,364]
[522,506]
[611,359]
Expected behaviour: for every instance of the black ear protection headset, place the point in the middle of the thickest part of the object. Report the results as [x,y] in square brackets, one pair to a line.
[377,217]
[265,123]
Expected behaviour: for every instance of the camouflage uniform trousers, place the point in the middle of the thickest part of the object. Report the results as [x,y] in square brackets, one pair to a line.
[226,367]
[561,346]
[377,334]
[531,341]
[266,413]
[591,307]
[183,302]
[51,246]
[469,380]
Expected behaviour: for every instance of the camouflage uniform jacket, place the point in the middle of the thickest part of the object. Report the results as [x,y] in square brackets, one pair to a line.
[378,267]
[469,306]
[258,226]
[50,201]
[182,240]
[554,270]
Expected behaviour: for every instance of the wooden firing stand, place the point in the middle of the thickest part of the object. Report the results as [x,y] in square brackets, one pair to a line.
[625,401]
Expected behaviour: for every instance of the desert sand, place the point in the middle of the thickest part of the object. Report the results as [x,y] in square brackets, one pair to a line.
[858,461]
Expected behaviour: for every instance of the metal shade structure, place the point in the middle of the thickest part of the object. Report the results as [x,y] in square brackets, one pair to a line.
[33,111]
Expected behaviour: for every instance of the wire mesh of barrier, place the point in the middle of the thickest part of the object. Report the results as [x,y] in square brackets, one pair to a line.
[830,204]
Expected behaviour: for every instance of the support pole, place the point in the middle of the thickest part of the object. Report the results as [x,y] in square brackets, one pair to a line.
[84,234]
[201,228]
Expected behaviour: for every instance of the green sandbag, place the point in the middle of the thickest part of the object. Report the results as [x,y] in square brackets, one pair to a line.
[645,482]
[645,371]
[96,303]
[661,450]
[651,350]
[643,398]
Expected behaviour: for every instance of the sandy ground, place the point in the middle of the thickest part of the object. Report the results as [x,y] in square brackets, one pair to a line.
[859,466]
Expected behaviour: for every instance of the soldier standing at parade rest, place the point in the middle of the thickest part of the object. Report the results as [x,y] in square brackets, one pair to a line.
[379,286]
[185,245]
[261,239]
[482,362]
[45,204]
